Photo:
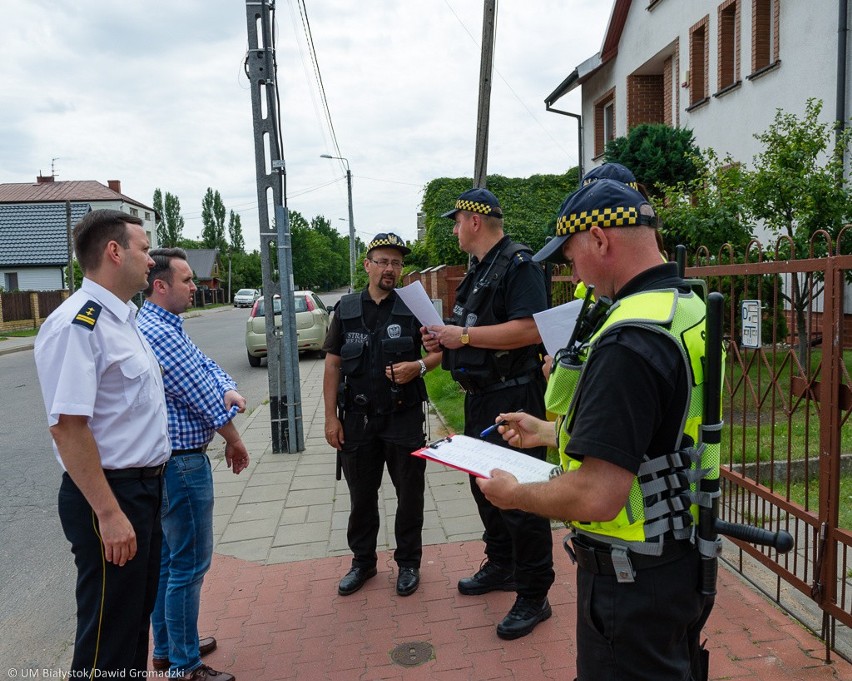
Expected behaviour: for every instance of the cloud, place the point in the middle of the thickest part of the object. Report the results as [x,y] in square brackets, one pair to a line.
[153,93]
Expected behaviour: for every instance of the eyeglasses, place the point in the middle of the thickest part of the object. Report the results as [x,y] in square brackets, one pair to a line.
[384,262]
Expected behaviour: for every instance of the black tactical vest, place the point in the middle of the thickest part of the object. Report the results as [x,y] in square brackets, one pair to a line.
[365,354]
[480,368]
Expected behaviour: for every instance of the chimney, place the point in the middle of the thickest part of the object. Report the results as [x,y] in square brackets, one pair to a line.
[44,179]
[115,185]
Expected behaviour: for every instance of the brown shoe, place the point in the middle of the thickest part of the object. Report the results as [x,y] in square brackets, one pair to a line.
[205,673]
[205,645]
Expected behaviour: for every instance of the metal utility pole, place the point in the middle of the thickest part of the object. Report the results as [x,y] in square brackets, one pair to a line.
[480,166]
[351,221]
[285,400]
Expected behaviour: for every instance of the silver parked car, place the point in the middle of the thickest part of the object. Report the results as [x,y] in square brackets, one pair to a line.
[312,319]
[245,297]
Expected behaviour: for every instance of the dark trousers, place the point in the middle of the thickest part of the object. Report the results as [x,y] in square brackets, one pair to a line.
[514,539]
[648,630]
[114,603]
[363,467]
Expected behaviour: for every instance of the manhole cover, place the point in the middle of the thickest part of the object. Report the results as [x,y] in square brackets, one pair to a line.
[413,653]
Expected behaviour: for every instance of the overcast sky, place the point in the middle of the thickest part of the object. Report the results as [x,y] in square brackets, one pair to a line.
[153,93]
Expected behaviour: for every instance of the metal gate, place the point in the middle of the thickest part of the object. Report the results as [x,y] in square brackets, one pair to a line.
[787,447]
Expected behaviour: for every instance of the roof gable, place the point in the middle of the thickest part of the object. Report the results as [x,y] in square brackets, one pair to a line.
[202,261]
[608,51]
[36,235]
[50,192]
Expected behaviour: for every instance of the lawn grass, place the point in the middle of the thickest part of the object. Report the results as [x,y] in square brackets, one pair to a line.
[797,495]
[20,333]
[447,397]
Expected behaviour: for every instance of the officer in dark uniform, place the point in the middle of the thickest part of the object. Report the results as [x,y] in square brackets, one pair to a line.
[630,487]
[373,392]
[103,393]
[491,347]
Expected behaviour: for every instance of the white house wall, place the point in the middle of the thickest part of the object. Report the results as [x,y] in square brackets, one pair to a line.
[808,55]
[35,278]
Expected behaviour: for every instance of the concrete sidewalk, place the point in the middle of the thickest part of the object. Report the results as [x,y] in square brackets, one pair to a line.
[271,595]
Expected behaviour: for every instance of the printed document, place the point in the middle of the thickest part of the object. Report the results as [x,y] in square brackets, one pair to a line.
[479,458]
[556,325]
[414,296]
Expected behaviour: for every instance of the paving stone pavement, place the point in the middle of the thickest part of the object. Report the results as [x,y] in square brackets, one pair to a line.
[271,597]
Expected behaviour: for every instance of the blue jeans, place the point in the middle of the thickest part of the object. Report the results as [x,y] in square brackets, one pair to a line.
[187,517]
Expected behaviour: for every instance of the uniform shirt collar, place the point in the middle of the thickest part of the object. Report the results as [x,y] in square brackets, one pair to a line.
[495,249]
[121,310]
[663,275]
[163,314]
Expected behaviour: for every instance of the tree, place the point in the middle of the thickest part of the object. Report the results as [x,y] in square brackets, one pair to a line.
[657,154]
[707,210]
[159,213]
[797,188]
[213,217]
[172,222]
[235,233]
[530,206]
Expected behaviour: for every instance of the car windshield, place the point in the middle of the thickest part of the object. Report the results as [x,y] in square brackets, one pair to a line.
[245,292]
[301,305]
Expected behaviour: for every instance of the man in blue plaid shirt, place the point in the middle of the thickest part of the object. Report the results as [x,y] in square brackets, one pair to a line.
[201,399]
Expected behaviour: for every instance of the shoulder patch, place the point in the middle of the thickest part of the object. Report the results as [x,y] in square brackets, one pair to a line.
[88,315]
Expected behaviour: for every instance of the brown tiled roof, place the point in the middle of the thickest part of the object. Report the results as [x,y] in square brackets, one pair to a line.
[49,192]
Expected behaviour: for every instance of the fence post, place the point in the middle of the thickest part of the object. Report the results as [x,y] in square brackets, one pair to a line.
[34,306]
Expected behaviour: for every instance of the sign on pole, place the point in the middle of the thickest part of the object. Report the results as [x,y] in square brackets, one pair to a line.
[751,323]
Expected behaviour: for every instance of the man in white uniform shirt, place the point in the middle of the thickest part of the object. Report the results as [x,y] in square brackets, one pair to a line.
[106,409]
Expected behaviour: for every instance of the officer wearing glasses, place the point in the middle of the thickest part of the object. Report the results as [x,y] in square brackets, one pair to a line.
[373,392]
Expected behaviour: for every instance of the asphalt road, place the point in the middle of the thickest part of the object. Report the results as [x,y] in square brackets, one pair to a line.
[37,609]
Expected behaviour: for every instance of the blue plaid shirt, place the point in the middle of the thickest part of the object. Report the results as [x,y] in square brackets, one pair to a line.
[195,385]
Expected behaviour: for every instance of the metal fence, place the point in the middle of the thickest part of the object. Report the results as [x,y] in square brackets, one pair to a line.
[787,450]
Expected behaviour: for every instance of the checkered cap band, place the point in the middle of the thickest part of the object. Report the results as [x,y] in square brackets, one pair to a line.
[389,239]
[589,180]
[477,207]
[622,216]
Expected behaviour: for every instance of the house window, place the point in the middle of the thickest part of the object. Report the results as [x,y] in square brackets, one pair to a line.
[729,44]
[604,121]
[10,281]
[699,58]
[764,34]
[134,212]
[147,215]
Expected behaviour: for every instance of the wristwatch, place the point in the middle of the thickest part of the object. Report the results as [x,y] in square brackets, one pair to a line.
[465,337]
[423,368]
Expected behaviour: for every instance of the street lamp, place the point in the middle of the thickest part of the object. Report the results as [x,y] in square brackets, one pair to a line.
[351,221]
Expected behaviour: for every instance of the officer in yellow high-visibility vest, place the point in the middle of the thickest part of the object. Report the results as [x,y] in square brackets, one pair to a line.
[629,490]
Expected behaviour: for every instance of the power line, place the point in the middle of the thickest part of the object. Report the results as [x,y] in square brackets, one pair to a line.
[312,50]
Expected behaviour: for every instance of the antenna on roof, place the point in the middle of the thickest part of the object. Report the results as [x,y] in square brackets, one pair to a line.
[53,166]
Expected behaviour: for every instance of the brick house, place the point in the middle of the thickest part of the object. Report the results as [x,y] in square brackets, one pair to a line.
[718,67]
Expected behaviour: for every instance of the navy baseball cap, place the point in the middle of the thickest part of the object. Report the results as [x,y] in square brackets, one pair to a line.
[605,203]
[388,240]
[476,200]
[612,171]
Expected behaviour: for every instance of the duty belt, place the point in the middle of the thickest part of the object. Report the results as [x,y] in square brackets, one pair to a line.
[473,388]
[609,559]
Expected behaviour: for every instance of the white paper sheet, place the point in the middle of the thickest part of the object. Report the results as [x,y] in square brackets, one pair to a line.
[556,325]
[414,296]
[480,458]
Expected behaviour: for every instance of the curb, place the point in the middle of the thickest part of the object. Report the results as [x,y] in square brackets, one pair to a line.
[19,348]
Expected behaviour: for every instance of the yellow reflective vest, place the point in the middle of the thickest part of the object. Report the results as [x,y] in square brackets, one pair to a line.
[643,521]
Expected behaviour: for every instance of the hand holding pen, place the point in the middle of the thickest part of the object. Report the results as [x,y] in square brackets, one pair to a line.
[502,422]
